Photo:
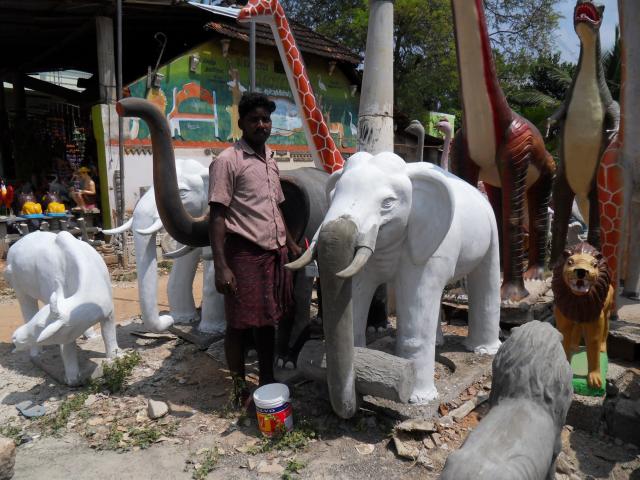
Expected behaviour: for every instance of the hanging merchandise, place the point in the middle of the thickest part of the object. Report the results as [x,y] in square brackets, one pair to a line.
[6,198]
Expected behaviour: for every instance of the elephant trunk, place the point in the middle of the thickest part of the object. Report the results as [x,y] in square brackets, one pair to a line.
[178,223]
[336,244]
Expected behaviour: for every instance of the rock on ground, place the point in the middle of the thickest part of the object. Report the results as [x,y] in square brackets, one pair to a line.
[7,458]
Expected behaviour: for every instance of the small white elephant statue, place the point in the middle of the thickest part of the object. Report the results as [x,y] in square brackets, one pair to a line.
[418,228]
[71,278]
[193,185]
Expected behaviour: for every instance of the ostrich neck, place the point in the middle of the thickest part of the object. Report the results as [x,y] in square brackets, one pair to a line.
[323,149]
[444,161]
[482,97]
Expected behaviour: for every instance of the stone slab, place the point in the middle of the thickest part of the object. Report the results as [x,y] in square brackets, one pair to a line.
[624,340]
[586,413]
[537,306]
[191,334]
[623,419]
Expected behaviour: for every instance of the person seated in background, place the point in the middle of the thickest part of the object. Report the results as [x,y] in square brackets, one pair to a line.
[84,191]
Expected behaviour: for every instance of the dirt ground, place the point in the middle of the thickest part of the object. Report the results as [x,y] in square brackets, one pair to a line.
[95,434]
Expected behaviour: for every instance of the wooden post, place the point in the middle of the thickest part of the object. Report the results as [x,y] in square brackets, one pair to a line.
[108,163]
[7,168]
[106,60]
[23,169]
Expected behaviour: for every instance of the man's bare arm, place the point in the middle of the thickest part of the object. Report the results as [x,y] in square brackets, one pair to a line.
[225,279]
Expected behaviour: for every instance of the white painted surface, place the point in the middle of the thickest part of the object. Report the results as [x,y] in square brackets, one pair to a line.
[426,228]
[72,281]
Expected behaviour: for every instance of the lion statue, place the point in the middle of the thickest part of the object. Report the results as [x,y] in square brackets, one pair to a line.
[583,302]
[530,396]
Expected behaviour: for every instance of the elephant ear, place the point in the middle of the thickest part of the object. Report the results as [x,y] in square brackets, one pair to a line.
[432,209]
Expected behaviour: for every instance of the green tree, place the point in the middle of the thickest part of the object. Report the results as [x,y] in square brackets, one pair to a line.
[425,66]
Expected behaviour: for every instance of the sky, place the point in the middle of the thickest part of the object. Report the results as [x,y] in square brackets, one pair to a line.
[567,40]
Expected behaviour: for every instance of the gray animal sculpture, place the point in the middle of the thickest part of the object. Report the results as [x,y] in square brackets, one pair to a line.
[530,396]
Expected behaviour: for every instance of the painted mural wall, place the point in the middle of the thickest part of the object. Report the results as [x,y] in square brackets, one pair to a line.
[202,105]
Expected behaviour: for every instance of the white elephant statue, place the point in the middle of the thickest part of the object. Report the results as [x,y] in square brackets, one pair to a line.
[193,185]
[72,280]
[417,227]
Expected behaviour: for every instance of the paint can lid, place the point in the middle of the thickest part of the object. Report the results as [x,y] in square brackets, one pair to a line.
[271,396]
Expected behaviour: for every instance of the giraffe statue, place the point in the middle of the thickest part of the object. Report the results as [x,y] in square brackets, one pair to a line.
[610,183]
[325,153]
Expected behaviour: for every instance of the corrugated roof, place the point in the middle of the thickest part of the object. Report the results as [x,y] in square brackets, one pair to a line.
[307,40]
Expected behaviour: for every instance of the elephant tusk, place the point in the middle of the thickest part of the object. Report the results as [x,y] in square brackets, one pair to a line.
[157,225]
[359,260]
[121,229]
[179,252]
[305,259]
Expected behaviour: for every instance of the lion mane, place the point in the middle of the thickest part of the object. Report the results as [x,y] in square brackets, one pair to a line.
[581,308]
[530,396]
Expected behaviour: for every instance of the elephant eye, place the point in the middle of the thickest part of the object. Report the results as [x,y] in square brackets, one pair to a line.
[388,202]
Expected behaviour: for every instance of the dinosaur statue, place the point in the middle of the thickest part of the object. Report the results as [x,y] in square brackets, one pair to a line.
[589,119]
[501,148]
[323,149]
[629,11]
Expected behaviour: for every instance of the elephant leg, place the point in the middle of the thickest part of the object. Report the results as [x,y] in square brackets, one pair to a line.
[364,288]
[418,292]
[594,218]
[514,157]
[495,199]
[180,288]
[28,307]
[212,319]
[109,337]
[538,198]
[562,203]
[377,317]
[69,354]
[484,304]
[147,268]
[293,329]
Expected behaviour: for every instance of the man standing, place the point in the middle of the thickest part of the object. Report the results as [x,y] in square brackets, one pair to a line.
[250,242]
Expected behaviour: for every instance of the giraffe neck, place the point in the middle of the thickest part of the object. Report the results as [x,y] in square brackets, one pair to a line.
[324,151]
[482,98]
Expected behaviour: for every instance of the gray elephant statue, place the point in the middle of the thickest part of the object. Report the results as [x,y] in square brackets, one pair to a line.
[304,207]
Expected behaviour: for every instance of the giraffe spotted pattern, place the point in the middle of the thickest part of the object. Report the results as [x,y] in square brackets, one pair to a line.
[272,13]
[610,202]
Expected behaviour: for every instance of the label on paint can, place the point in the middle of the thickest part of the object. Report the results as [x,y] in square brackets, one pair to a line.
[272,421]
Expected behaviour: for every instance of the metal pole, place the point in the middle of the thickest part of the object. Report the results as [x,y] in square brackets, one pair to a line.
[252,56]
[120,126]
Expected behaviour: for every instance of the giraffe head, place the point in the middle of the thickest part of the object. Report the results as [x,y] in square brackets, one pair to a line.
[255,9]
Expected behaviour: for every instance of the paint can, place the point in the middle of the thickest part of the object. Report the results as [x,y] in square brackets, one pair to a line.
[273,409]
